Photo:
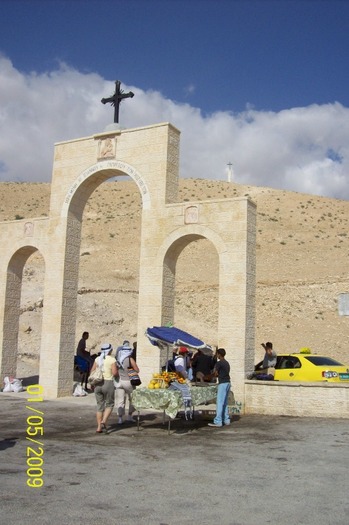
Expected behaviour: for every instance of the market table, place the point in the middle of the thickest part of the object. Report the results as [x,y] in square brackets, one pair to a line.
[170,401]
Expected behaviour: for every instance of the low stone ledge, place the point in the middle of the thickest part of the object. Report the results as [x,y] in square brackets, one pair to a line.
[320,399]
[304,384]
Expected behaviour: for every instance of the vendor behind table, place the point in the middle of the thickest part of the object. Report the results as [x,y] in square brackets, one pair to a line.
[203,365]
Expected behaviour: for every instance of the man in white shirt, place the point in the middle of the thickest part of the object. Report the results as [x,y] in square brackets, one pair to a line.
[180,362]
[270,356]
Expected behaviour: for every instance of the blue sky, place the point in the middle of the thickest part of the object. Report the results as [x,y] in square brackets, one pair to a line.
[262,84]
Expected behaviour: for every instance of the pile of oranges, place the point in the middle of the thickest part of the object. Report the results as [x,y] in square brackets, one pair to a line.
[164,379]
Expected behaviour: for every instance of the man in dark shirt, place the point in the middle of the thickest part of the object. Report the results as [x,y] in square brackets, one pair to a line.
[81,349]
[222,371]
[202,366]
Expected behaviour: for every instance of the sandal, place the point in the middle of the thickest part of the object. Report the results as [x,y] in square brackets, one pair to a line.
[104,428]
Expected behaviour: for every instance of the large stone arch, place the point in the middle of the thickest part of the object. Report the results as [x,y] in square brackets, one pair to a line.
[72,212]
[86,183]
[69,239]
[150,157]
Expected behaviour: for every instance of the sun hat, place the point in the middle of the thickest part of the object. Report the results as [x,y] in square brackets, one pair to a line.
[106,347]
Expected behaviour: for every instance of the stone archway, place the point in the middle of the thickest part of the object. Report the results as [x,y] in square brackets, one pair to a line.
[150,156]
[230,227]
[86,183]
[67,272]
[169,253]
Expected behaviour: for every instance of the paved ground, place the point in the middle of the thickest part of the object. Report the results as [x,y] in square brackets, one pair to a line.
[260,470]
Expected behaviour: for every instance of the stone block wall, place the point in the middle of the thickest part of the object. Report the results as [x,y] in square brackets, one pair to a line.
[297,399]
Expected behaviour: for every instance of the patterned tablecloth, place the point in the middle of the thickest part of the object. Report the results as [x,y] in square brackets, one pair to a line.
[171,400]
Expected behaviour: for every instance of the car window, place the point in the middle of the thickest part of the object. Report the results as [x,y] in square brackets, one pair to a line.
[293,362]
[322,361]
[288,362]
[279,361]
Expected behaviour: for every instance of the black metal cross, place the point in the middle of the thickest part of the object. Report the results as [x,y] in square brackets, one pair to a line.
[116,98]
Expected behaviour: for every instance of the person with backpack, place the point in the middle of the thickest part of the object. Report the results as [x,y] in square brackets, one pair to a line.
[105,393]
[123,386]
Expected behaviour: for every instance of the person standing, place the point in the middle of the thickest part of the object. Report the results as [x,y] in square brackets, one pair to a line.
[222,371]
[105,393]
[123,386]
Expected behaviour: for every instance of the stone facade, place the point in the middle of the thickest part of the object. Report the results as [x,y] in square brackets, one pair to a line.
[150,156]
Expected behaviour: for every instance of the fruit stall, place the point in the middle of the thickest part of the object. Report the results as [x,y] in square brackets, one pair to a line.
[169,391]
[162,396]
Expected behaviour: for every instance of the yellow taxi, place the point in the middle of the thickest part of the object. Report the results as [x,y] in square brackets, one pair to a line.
[308,367]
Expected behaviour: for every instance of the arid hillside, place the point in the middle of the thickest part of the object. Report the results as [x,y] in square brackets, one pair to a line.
[302,266]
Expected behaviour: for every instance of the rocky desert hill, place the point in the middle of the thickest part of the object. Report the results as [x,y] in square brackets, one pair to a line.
[302,266]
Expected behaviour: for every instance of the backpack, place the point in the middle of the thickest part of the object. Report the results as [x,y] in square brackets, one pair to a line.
[170,366]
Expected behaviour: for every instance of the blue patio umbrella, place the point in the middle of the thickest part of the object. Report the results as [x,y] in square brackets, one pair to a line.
[165,336]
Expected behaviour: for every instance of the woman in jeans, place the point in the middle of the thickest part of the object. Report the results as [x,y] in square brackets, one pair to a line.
[123,385]
[105,393]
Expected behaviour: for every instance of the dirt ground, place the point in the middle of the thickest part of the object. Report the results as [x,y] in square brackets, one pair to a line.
[259,470]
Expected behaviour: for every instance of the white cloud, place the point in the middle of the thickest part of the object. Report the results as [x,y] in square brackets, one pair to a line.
[299,149]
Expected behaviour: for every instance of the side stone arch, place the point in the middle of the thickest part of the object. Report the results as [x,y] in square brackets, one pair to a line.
[11,308]
[169,253]
[183,236]
[230,226]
